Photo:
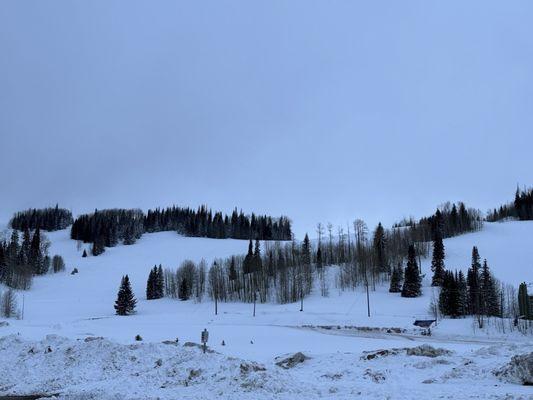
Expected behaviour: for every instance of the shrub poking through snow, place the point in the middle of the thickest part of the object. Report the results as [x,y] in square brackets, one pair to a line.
[138,338]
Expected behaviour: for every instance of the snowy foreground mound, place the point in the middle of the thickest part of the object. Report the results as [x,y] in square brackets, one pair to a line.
[96,368]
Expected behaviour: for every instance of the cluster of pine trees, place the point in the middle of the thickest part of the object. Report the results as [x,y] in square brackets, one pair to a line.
[450,219]
[203,222]
[521,208]
[106,228]
[20,260]
[48,219]
[478,295]
[408,282]
[155,286]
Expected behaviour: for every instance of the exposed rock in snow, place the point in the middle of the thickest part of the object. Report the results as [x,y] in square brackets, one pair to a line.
[370,355]
[375,376]
[292,361]
[426,350]
[246,368]
[518,370]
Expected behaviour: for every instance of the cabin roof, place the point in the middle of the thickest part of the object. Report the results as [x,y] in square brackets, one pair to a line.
[424,323]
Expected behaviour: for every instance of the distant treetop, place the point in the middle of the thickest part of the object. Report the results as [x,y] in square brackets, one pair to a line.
[521,208]
[49,219]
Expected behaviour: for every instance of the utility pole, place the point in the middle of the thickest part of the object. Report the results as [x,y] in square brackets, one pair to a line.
[367,296]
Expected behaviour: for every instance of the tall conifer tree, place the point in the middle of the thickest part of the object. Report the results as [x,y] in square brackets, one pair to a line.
[125,303]
[412,286]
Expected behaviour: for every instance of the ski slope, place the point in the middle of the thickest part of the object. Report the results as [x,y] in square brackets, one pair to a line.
[507,247]
[80,306]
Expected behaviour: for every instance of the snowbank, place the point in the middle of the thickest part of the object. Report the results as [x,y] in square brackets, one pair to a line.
[100,369]
[96,368]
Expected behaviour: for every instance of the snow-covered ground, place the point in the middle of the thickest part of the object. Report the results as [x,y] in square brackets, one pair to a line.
[97,368]
[78,306]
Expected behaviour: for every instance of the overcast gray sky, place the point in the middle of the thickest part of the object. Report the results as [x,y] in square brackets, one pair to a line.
[320,110]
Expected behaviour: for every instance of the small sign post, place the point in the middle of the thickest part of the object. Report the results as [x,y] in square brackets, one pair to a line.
[204,338]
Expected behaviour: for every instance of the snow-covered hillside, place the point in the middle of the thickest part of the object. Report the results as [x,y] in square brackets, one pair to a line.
[81,305]
[507,246]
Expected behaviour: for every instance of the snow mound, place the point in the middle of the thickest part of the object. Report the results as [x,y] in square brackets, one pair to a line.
[518,370]
[99,368]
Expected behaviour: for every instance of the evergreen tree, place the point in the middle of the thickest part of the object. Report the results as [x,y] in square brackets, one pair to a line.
[412,286]
[379,248]
[474,289]
[257,262]
[232,270]
[26,247]
[463,293]
[248,260]
[437,261]
[151,285]
[396,279]
[98,246]
[84,253]
[449,297]
[160,282]
[36,259]
[306,251]
[490,299]
[125,303]
[319,262]
[183,292]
